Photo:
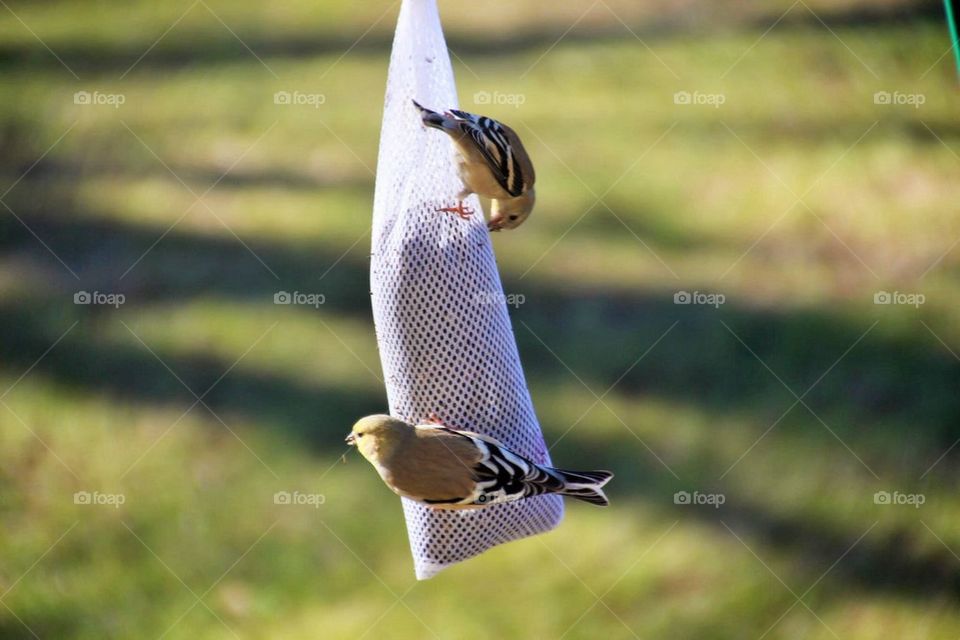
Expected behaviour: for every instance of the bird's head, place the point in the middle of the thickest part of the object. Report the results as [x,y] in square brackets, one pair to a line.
[511,213]
[377,436]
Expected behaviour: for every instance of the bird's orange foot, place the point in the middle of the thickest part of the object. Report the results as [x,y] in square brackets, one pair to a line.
[433,419]
[461,210]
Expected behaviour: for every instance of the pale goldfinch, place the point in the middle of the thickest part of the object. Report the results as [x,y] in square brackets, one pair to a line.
[444,468]
[492,163]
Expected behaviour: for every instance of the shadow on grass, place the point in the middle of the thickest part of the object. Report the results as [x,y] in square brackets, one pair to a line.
[220,46]
[65,173]
[315,412]
[874,563]
[50,624]
[866,379]
[155,264]
[800,133]
[867,384]
[874,388]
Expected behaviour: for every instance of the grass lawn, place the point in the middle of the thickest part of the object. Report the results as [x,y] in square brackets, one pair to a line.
[798,198]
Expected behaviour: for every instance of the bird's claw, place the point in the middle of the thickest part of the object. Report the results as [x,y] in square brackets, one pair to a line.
[463,211]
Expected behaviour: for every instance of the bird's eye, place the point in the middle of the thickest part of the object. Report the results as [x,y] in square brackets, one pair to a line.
[513,217]
[359,435]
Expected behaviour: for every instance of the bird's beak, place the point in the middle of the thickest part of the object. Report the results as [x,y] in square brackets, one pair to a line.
[350,439]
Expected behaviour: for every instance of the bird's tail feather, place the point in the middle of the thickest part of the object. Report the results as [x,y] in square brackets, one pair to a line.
[585,485]
[431,118]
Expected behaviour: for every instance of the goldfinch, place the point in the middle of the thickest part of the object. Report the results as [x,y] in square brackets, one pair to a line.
[445,468]
[492,163]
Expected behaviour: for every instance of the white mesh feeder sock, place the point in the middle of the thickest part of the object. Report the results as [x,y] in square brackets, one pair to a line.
[446,344]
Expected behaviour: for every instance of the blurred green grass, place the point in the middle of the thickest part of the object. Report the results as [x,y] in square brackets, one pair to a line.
[695,198]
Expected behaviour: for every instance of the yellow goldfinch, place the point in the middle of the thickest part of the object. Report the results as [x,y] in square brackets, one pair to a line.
[444,468]
[492,163]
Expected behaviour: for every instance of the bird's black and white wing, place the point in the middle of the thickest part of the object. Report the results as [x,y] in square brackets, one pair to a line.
[499,475]
[503,476]
[492,141]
